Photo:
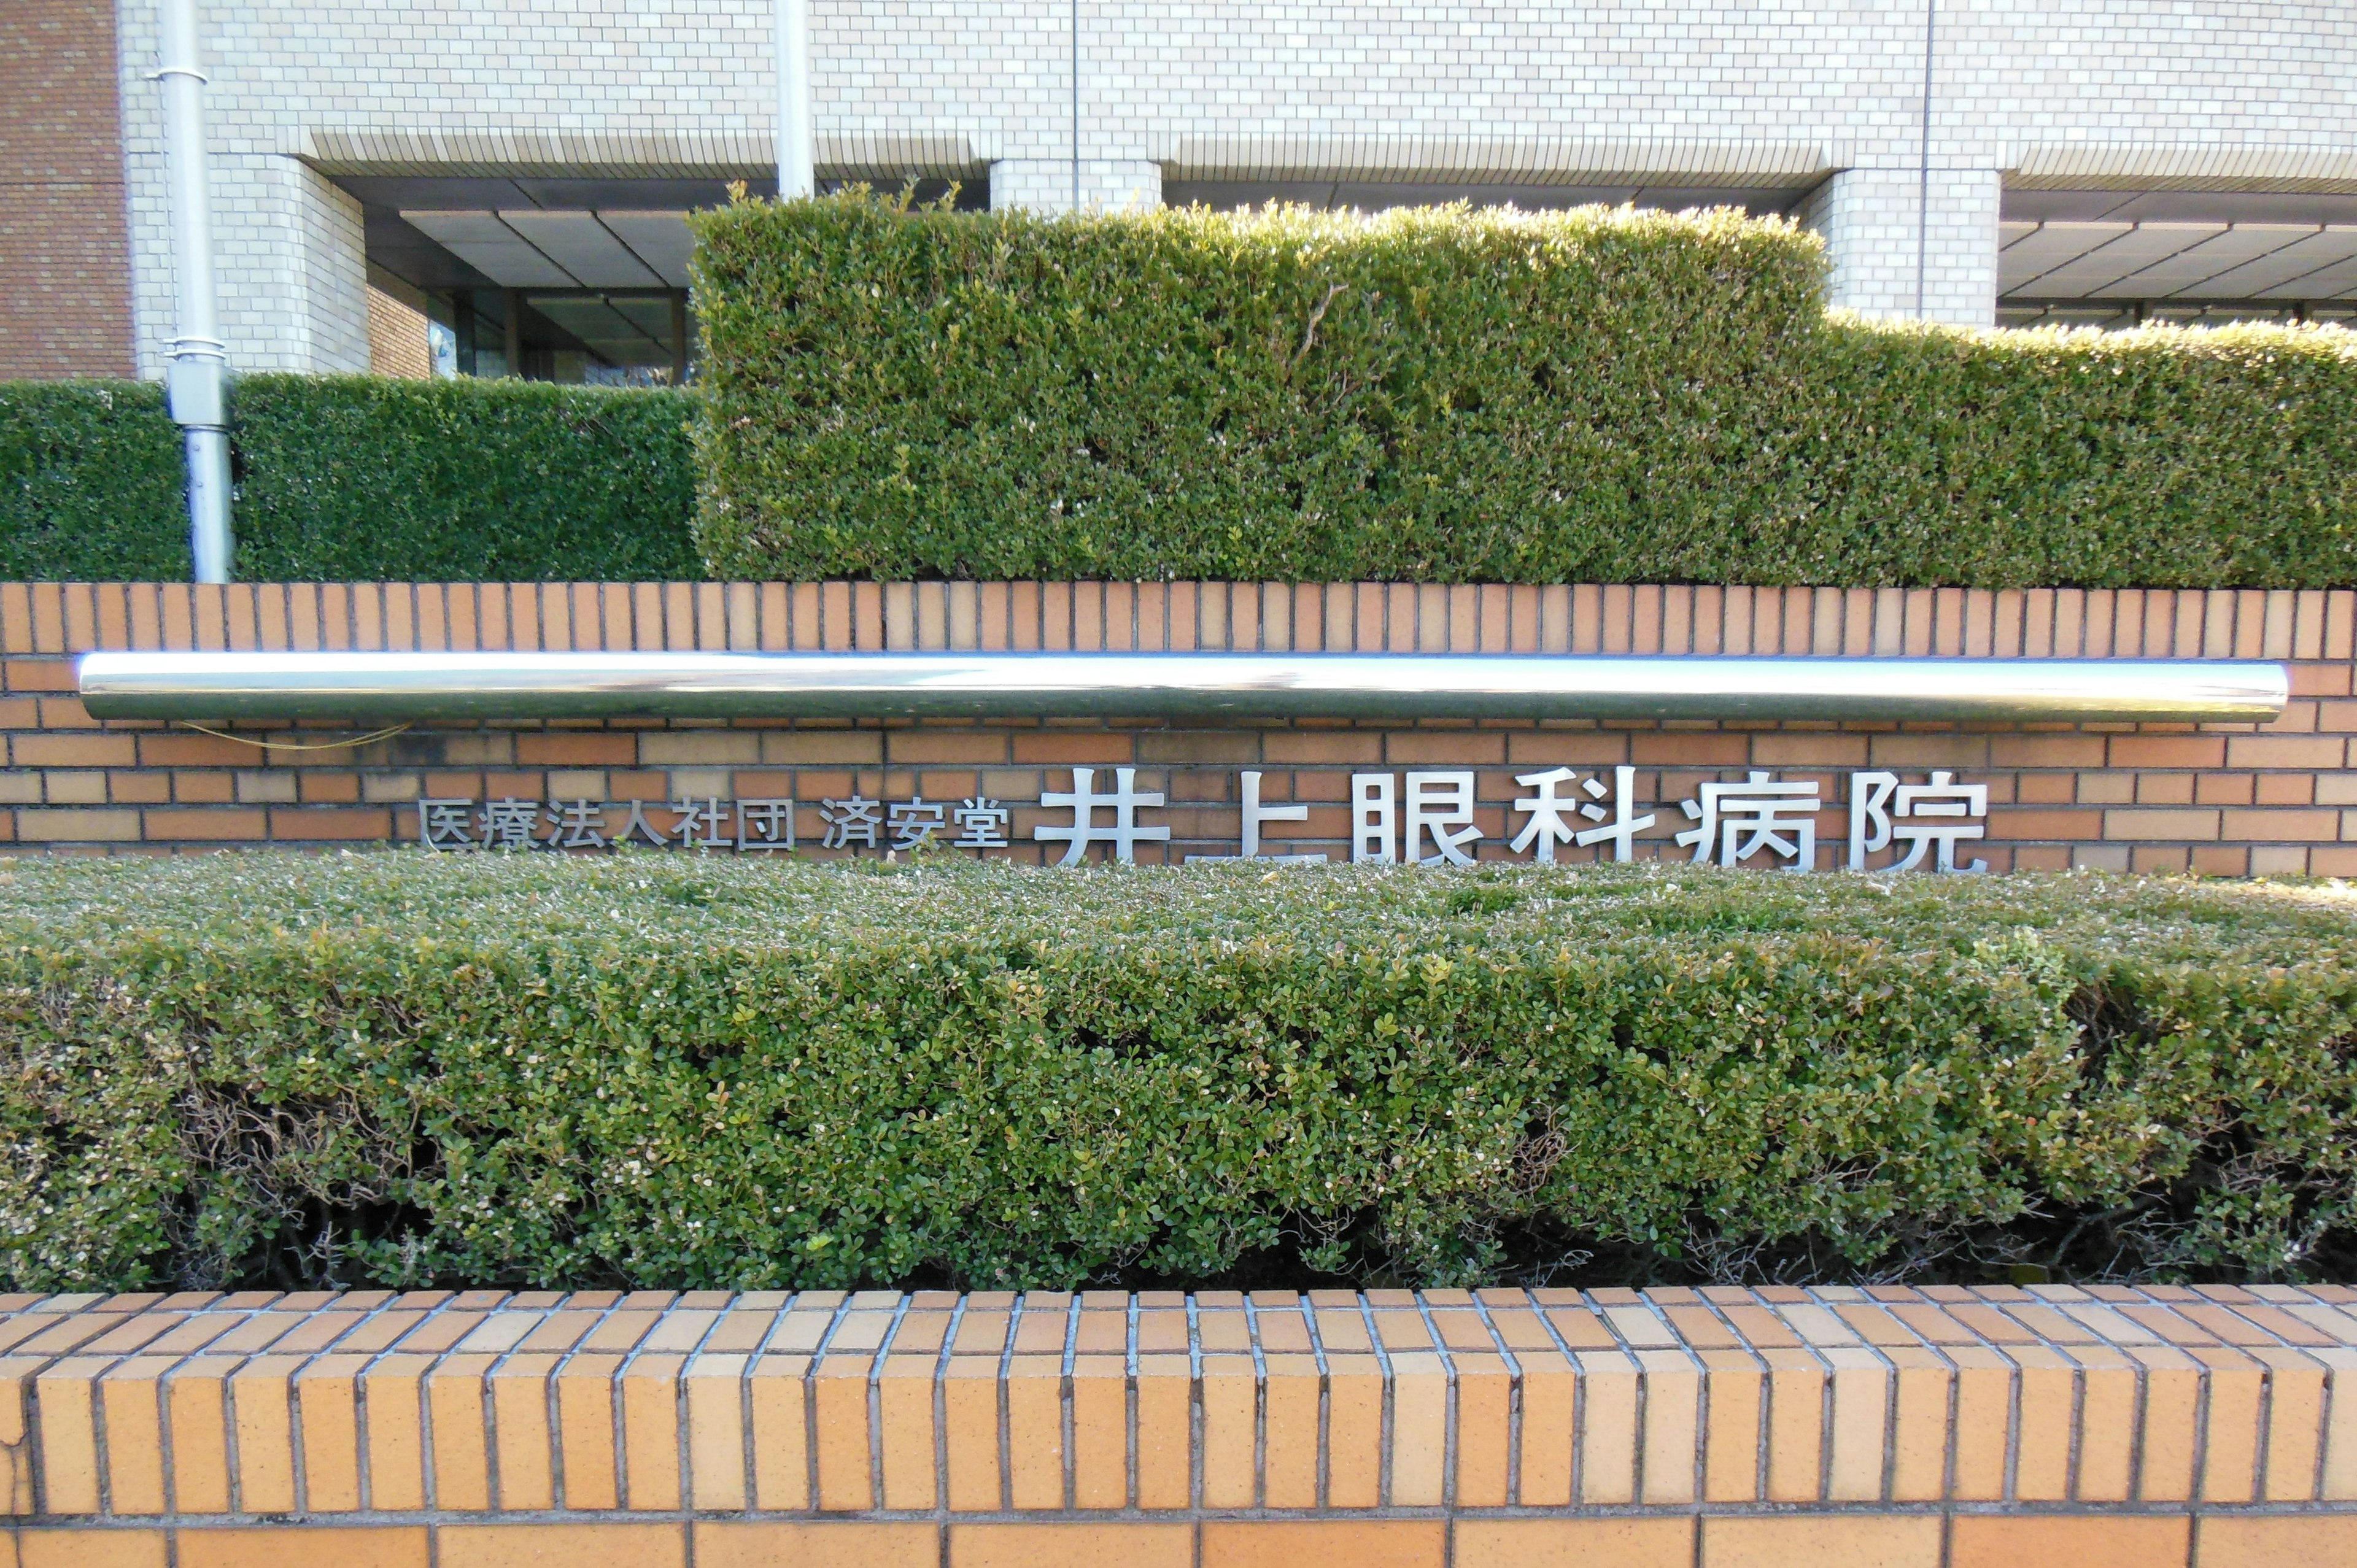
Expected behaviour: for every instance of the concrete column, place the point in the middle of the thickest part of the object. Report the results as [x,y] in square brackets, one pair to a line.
[1870,217]
[1045,184]
[330,290]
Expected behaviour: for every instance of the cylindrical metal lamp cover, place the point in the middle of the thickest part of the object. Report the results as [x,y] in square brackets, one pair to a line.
[427,686]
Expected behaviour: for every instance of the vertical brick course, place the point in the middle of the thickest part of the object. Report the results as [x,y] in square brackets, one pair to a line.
[258,1391]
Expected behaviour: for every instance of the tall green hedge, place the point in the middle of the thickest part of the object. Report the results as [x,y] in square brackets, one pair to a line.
[1446,395]
[356,477]
[651,1070]
[1439,395]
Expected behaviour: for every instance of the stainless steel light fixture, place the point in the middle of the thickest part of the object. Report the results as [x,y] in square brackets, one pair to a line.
[428,686]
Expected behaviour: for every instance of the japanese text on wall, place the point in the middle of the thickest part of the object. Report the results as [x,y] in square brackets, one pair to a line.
[1422,817]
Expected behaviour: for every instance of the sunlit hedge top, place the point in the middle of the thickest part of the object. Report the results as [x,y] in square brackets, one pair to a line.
[1456,395]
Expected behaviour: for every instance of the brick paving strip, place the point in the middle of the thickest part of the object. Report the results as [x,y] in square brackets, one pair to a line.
[1939,1425]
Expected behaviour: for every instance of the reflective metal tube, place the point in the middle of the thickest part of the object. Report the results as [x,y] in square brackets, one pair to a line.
[425,686]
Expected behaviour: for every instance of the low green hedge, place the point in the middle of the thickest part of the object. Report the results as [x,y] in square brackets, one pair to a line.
[1460,396]
[90,483]
[354,478]
[666,1070]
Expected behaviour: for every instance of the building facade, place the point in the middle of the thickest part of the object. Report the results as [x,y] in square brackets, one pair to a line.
[514,174]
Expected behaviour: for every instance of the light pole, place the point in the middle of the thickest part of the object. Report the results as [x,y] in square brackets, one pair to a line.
[197,380]
[795,155]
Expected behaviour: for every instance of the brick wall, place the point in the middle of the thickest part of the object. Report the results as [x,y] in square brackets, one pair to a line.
[65,258]
[2224,798]
[1838,1427]
[397,341]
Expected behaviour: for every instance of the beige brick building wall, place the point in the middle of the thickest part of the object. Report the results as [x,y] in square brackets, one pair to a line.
[65,260]
[1837,1428]
[2228,800]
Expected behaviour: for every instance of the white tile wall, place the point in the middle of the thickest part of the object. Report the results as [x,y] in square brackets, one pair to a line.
[1049,185]
[2010,74]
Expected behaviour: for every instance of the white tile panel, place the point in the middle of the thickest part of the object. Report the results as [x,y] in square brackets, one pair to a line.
[583,247]
[462,227]
[491,248]
[2020,264]
[2190,268]
[2116,259]
[661,240]
[2281,275]
[2337,281]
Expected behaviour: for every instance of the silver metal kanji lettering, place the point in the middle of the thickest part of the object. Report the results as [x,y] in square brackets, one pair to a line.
[1441,805]
[636,822]
[442,824]
[1625,825]
[703,824]
[575,824]
[765,825]
[914,821]
[507,823]
[982,823]
[850,823]
[1553,814]
[1254,816]
[1374,819]
[1933,817]
[1550,813]
[1123,833]
[1738,820]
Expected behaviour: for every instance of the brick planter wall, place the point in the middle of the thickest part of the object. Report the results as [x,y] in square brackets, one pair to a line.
[2226,799]
[1836,1427]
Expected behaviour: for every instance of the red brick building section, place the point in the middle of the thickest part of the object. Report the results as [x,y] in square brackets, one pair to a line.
[65,253]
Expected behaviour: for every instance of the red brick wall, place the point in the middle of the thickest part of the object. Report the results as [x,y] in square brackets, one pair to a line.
[65,258]
[2225,798]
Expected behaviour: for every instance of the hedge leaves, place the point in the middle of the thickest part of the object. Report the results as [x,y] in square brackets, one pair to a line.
[1436,395]
[355,479]
[1444,395]
[647,1070]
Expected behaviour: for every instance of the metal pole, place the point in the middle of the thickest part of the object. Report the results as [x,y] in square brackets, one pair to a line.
[1924,180]
[197,380]
[796,175]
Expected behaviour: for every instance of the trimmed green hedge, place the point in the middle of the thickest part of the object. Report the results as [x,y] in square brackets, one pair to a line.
[647,1070]
[1454,396]
[90,483]
[354,478]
